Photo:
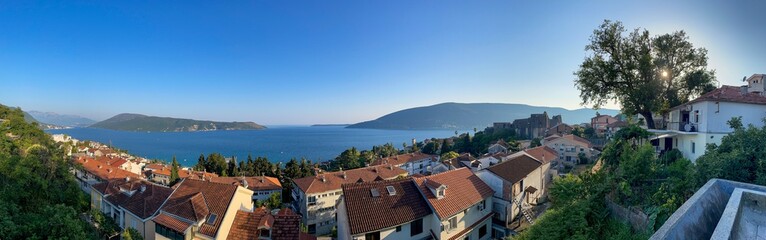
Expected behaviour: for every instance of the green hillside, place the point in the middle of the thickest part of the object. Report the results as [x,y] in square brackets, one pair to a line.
[472,115]
[143,123]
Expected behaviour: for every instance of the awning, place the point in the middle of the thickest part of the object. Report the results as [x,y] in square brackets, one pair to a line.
[530,189]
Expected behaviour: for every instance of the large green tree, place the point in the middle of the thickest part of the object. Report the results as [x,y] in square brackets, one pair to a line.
[174,171]
[645,74]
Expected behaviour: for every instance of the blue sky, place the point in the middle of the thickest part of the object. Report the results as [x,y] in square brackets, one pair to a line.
[290,62]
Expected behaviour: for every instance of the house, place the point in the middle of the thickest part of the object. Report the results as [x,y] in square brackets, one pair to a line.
[612,128]
[413,163]
[201,210]
[600,121]
[454,163]
[569,148]
[263,224]
[544,155]
[461,204]
[498,147]
[262,186]
[94,171]
[391,209]
[517,183]
[161,173]
[130,202]
[315,197]
[483,162]
[560,129]
[693,125]
[533,127]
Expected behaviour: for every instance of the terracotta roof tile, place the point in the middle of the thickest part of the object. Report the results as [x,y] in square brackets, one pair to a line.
[145,200]
[102,169]
[334,180]
[728,93]
[171,222]
[367,213]
[464,189]
[543,154]
[193,200]
[253,183]
[515,169]
[398,160]
[245,225]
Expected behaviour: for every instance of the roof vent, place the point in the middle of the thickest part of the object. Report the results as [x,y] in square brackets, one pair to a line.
[391,190]
[374,192]
[322,177]
[127,179]
[143,188]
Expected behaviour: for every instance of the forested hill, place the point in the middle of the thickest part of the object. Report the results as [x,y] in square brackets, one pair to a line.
[472,115]
[138,122]
[39,198]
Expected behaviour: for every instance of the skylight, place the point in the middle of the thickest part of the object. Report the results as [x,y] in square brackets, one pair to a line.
[375,192]
[391,190]
[211,219]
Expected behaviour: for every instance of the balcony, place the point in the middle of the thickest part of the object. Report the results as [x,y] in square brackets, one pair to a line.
[683,126]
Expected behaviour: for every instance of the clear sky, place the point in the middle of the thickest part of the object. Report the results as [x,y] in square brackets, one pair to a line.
[290,62]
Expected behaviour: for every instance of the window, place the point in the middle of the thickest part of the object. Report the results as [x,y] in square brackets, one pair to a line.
[416,227]
[133,223]
[312,228]
[168,233]
[452,223]
[441,192]
[482,205]
[265,233]
[211,219]
[372,236]
[398,228]
[312,200]
[693,146]
[483,231]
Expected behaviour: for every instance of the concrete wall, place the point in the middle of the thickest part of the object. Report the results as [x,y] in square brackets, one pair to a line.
[472,215]
[698,217]
[638,220]
[716,116]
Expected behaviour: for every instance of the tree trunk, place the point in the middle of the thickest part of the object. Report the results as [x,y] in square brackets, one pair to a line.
[649,119]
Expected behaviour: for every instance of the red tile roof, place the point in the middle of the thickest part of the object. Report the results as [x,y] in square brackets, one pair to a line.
[102,170]
[246,224]
[194,200]
[543,154]
[179,225]
[334,180]
[253,183]
[570,137]
[728,93]
[398,160]
[145,200]
[456,162]
[464,189]
[367,213]
[515,169]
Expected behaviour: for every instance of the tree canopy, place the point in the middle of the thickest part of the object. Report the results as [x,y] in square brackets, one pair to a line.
[645,74]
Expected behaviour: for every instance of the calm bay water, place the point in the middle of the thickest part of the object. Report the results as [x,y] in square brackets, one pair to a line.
[278,143]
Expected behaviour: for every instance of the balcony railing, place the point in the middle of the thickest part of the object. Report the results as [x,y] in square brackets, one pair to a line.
[683,126]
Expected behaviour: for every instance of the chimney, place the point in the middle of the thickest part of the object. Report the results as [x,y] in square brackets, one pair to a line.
[244,182]
[322,177]
[127,179]
[343,173]
[390,167]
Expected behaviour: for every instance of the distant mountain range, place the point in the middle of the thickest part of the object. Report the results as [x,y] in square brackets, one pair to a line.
[143,123]
[63,120]
[472,115]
